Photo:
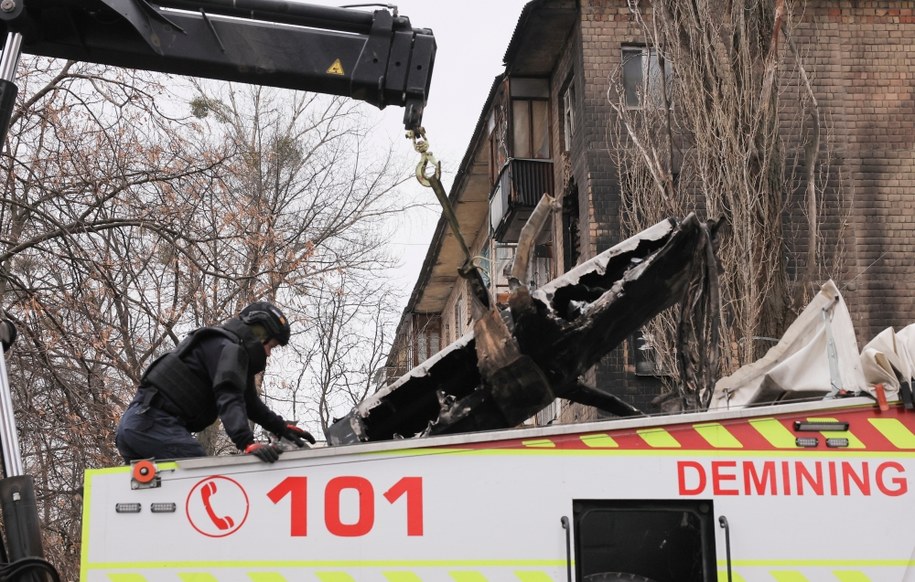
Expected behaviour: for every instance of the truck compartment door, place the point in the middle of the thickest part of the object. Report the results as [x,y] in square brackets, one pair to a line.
[644,541]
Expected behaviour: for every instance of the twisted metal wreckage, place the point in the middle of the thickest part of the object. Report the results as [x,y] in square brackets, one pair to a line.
[517,360]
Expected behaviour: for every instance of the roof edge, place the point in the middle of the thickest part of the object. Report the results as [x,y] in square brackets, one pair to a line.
[456,188]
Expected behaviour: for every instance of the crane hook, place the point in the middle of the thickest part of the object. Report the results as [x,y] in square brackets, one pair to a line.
[421,145]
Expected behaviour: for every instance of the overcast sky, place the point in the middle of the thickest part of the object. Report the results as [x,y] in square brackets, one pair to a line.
[471,38]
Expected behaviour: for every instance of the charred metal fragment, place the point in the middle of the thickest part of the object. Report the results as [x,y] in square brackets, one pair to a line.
[516,362]
[591,396]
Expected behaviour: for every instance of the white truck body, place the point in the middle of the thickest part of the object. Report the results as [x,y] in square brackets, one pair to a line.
[819,487]
[649,497]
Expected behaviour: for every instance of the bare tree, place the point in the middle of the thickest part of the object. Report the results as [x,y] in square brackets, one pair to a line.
[301,210]
[352,325]
[706,132]
[93,166]
[127,221]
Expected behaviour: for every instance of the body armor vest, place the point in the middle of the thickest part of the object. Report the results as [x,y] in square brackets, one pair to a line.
[188,394]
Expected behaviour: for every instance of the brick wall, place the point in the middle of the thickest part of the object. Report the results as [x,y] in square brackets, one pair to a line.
[605,27]
[860,59]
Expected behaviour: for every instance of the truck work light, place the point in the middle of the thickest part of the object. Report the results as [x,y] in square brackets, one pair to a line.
[819,426]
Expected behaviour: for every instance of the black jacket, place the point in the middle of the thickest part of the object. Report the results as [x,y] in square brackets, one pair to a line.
[211,374]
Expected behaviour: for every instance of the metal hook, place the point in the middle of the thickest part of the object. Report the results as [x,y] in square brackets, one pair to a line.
[421,175]
[421,145]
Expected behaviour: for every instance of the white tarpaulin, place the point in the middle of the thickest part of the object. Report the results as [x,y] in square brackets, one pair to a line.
[799,365]
[887,359]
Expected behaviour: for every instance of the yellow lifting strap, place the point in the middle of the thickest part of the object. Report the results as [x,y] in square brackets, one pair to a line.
[429,174]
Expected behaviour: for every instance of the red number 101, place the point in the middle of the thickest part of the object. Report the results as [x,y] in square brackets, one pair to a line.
[297,490]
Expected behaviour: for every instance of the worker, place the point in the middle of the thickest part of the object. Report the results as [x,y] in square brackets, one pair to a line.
[209,374]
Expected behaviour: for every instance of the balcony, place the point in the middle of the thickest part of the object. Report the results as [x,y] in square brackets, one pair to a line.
[519,187]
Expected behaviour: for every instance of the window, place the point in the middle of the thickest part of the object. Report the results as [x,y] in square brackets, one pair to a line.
[505,254]
[427,337]
[485,266]
[496,126]
[530,129]
[645,74]
[540,269]
[459,317]
[663,541]
[571,239]
[568,115]
[644,355]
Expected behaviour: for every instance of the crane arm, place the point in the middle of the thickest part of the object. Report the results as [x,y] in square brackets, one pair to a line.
[375,57]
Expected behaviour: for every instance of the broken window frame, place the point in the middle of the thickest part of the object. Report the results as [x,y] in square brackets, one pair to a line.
[540,268]
[502,254]
[571,234]
[645,357]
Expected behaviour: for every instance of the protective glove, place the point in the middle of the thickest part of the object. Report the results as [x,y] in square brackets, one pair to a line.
[296,434]
[263,451]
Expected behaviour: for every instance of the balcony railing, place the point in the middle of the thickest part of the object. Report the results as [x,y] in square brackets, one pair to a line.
[519,187]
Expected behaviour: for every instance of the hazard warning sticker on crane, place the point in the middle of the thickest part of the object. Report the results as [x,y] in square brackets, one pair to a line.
[336,68]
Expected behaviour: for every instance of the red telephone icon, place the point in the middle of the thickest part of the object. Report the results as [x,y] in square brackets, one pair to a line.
[206,492]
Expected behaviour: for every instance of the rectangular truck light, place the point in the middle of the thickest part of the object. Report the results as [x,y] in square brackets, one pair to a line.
[127,507]
[837,443]
[807,442]
[819,426]
[163,507]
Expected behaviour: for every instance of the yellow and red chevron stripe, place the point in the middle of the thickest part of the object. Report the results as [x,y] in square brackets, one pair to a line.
[869,430]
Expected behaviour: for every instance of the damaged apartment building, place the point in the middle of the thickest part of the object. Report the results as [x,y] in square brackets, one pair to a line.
[544,127]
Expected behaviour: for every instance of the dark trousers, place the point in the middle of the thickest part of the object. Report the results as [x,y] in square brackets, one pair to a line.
[154,434]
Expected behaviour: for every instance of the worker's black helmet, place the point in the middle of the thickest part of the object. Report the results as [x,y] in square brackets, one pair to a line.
[270,317]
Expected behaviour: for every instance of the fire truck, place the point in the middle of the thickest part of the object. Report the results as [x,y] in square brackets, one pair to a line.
[785,492]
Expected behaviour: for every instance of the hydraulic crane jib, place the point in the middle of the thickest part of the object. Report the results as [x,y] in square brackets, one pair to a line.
[375,57]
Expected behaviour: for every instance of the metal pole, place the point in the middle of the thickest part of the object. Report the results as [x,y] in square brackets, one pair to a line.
[10,58]
[18,503]
[9,438]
